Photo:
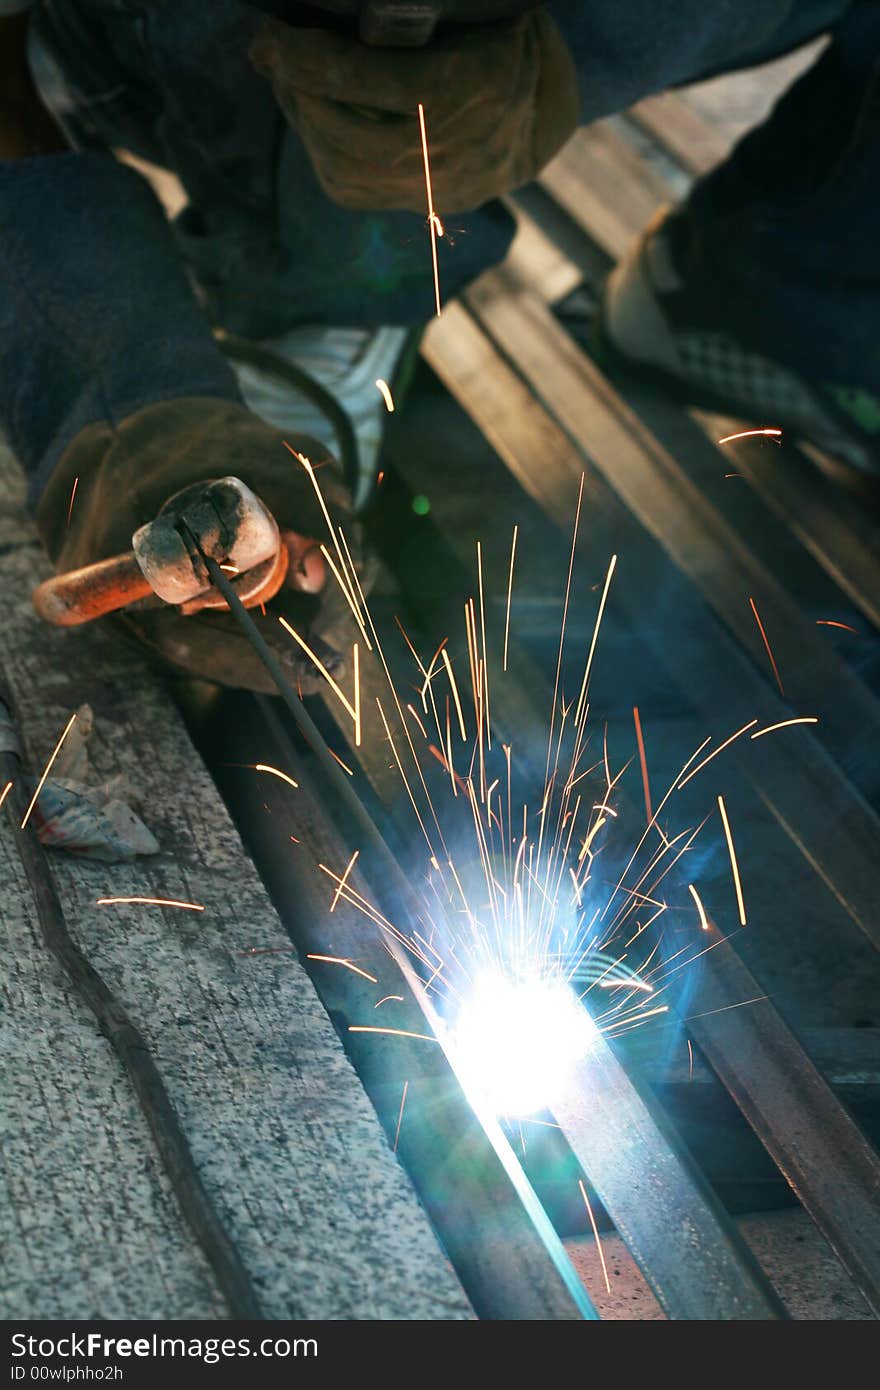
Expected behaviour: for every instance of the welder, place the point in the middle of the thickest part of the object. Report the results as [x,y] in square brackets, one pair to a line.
[293,131]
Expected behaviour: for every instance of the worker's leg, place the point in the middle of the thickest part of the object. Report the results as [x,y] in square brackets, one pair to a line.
[761,295]
[783,238]
[628,49]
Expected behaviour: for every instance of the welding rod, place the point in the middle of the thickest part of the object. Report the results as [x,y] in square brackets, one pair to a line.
[312,733]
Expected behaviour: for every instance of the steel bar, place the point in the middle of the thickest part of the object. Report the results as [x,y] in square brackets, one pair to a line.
[698,1265]
[809,1134]
[690,1253]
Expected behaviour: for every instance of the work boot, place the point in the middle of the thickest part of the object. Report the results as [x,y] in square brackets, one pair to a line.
[320,381]
[653,320]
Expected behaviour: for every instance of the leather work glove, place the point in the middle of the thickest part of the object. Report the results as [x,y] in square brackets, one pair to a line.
[500,100]
[126,474]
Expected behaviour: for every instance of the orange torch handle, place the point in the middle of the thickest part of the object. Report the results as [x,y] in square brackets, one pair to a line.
[66,600]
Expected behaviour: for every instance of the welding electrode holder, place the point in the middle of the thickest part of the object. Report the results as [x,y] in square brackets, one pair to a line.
[232,525]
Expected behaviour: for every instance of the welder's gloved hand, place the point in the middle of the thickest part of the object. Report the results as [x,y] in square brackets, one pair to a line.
[126,474]
[500,100]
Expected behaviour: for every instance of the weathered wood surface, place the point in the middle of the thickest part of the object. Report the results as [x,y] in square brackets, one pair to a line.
[286,1140]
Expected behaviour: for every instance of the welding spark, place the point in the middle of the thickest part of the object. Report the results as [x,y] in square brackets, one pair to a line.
[786,724]
[733,864]
[714,754]
[741,1004]
[747,434]
[5,792]
[151,902]
[643,762]
[394,1032]
[433,220]
[72,498]
[400,1115]
[340,887]
[454,687]
[595,1234]
[509,594]
[829,622]
[515,932]
[349,965]
[767,645]
[422,729]
[704,921]
[592,652]
[275,772]
[33,801]
[518,1040]
[316,660]
[385,391]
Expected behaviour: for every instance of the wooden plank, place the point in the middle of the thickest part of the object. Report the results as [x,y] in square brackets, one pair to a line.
[286,1140]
